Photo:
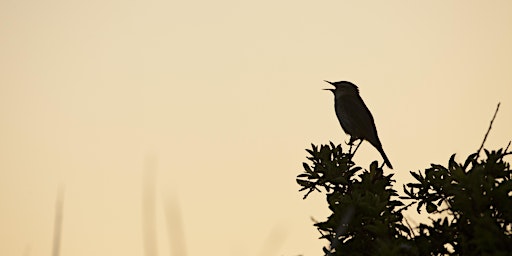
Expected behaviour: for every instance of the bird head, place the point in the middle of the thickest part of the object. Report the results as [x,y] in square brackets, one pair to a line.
[342,88]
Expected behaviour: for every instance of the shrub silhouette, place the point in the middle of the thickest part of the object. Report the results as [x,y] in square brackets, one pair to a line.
[366,212]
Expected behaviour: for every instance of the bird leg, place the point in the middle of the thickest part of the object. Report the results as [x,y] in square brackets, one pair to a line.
[351,143]
[360,142]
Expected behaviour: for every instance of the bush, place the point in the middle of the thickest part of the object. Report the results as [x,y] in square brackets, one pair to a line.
[366,212]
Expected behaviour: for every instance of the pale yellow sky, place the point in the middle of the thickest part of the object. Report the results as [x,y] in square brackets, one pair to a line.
[224,96]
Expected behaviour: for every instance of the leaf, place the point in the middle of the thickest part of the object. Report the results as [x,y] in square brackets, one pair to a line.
[304,183]
[307,168]
[403,228]
[452,165]
[431,207]
[396,203]
[470,158]
[420,204]
[417,176]
[414,185]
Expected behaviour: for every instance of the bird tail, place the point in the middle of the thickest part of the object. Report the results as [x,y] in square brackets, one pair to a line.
[386,160]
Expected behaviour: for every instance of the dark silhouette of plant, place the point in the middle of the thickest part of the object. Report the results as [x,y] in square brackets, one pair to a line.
[476,200]
[367,218]
[469,205]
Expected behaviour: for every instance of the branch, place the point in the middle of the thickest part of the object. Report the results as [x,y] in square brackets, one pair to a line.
[411,234]
[506,149]
[406,207]
[488,130]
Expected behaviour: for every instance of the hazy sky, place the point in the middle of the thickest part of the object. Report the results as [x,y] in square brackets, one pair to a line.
[217,101]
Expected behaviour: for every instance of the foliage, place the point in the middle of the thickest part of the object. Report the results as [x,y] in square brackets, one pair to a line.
[474,201]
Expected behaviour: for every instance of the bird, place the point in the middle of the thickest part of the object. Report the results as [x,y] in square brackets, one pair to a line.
[354,116]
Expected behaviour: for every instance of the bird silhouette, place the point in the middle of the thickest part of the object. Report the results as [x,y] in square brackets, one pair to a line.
[354,117]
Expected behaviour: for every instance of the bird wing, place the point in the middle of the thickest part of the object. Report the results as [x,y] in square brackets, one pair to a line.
[356,119]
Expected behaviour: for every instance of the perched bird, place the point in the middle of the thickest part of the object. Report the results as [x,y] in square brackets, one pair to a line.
[355,118]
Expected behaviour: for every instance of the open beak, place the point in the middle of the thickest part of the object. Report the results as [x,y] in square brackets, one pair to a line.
[332,90]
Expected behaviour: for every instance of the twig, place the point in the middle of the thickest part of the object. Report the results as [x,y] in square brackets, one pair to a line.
[506,149]
[411,230]
[405,207]
[488,130]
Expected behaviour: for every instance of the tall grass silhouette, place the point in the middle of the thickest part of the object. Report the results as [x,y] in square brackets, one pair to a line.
[148,208]
[57,225]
